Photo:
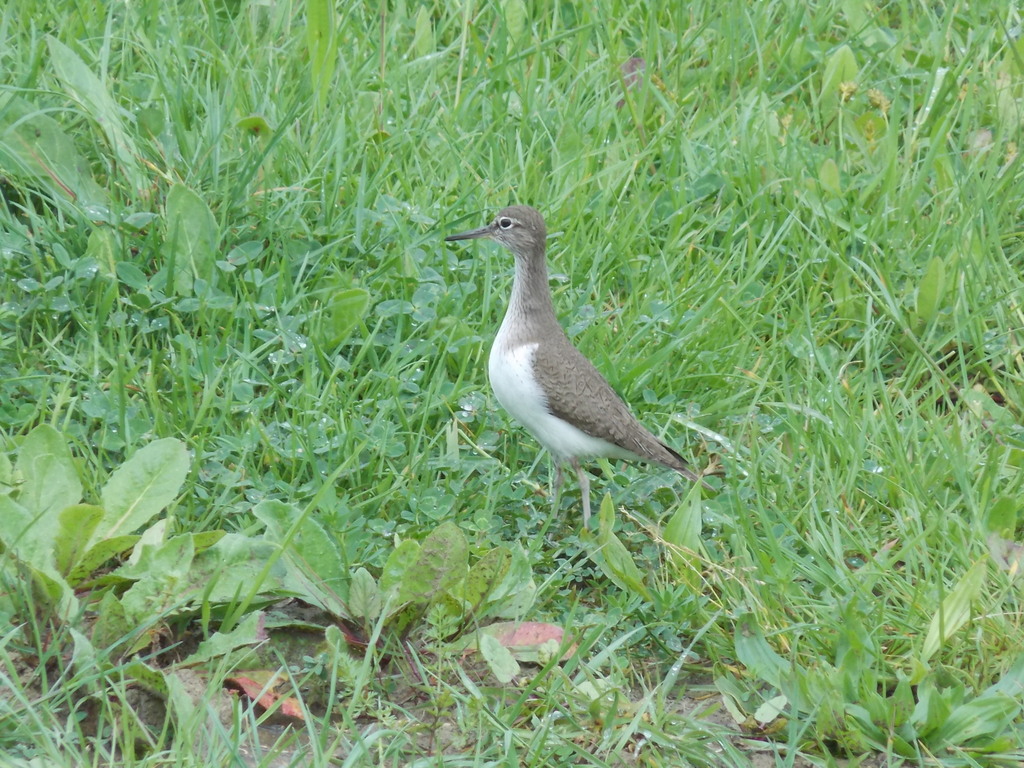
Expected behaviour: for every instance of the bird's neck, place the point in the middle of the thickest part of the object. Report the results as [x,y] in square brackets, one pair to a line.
[530,309]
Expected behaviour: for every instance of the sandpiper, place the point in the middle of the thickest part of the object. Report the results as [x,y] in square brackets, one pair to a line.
[547,384]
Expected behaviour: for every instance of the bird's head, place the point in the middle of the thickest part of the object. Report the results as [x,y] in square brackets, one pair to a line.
[519,228]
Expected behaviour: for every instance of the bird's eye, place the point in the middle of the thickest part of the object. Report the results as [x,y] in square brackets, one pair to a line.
[505,222]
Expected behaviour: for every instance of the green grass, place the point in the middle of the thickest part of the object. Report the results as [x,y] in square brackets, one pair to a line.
[826,280]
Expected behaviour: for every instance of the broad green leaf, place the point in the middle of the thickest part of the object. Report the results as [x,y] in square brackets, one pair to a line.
[828,177]
[234,567]
[902,700]
[614,560]
[150,121]
[516,592]
[112,625]
[344,311]
[310,546]
[34,146]
[931,120]
[323,49]
[139,220]
[1013,681]
[933,705]
[364,596]
[181,686]
[442,561]
[515,20]
[21,533]
[955,610]
[6,474]
[981,404]
[500,660]
[875,705]
[32,543]
[1001,516]
[484,576]
[141,488]
[163,584]
[612,557]
[856,14]
[98,554]
[841,67]
[931,290]
[152,679]
[149,546]
[988,715]
[852,727]
[278,517]
[192,238]
[1007,86]
[206,539]
[1013,59]
[105,249]
[684,527]
[335,639]
[682,539]
[249,631]
[395,568]
[945,176]
[154,536]
[316,569]
[855,649]
[84,654]
[53,590]
[132,276]
[734,697]
[99,104]
[49,479]
[771,710]
[75,526]
[753,651]
[256,125]
[423,37]
[806,689]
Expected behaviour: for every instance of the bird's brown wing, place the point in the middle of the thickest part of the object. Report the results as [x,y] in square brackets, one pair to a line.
[579,394]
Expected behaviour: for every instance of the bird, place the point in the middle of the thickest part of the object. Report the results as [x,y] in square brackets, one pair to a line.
[544,382]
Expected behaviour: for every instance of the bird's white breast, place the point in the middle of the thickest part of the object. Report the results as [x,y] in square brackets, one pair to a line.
[511,371]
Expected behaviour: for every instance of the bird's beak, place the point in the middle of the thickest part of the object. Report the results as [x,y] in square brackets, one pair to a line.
[472,234]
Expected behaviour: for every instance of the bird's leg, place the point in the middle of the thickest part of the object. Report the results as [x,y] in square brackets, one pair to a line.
[556,486]
[584,490]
